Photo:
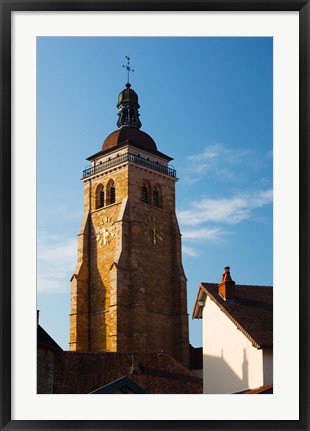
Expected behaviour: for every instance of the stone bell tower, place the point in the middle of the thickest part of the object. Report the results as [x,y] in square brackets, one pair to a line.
[128,290]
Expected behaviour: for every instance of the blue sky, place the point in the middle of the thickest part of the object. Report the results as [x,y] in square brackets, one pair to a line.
[207,102]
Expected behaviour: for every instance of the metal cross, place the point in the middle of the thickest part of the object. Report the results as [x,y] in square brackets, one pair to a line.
[128,68]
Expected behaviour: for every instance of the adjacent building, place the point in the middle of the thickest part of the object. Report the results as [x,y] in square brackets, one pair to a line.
[237,335]
[46,350]
[124,373]
[65,372]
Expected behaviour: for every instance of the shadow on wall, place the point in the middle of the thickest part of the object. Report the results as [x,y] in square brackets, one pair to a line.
[220,378]
[97,300]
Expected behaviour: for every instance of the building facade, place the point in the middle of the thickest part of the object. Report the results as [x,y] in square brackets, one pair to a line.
[237,335]
[128,291]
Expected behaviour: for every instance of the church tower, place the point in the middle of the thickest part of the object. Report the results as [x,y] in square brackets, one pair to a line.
[128,291]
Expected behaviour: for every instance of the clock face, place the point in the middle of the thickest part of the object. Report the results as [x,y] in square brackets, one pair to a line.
[153,230]
[106,231]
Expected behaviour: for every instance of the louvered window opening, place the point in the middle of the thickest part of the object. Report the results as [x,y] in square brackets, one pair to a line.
[101,199]
[144,194]
[112,194]
[155,198]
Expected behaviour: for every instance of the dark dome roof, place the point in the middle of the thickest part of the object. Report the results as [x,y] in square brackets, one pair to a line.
[131,134]
[127,96]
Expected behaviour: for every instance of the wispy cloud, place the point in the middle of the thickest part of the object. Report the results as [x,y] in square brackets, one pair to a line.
[56,262]
[219,160]
[227,211]
[189,251]
[197,222]
[203,234]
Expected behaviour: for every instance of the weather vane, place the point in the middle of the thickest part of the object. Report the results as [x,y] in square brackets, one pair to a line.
[128,68]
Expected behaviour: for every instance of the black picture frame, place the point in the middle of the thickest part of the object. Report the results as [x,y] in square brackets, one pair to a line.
[9,6]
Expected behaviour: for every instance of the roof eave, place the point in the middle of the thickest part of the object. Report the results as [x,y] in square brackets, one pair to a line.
[129,143]
[238,325]
[199,303]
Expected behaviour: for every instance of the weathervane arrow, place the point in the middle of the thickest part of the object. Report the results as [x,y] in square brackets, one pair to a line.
[128,68]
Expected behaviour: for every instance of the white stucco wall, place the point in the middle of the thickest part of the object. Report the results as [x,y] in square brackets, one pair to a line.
[230,362]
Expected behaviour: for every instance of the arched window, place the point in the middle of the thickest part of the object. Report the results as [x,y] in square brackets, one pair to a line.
[111,193]
[100,196]
[156,197]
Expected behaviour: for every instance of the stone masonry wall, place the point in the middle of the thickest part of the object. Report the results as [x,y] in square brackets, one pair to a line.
[45,371]
[136,280]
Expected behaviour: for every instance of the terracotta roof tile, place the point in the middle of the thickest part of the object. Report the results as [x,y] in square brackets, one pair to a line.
[265,389]
[129,133]
[77,372]
[252,310]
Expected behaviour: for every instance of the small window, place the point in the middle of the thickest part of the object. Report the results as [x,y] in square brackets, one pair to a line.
[155,198]
[100,196]
[112,191]
[144,194]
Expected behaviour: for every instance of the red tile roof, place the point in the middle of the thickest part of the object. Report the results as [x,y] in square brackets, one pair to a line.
[266,389]
[251,311]
[129,133]
[79,372]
